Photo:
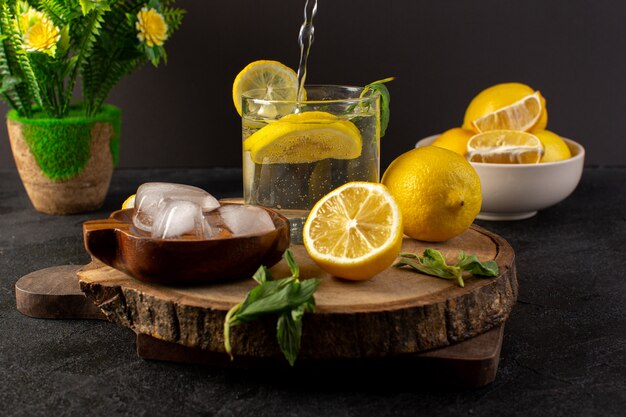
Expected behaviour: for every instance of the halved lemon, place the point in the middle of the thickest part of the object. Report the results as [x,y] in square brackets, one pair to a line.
[129,202]
[270,80]
[521,115]
[505,147]
[497,97]
[355,231]
[304,138]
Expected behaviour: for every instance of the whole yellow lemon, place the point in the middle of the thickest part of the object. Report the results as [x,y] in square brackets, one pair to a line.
[499,96]
[454,139]
[437,190]
[554,148]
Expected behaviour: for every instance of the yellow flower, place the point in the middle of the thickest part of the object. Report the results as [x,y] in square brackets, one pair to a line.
[151,26]
[39,34]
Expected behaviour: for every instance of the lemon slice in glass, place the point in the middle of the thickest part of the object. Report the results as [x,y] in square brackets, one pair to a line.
[505,147]
[270,80]
[355,231]
[304,138]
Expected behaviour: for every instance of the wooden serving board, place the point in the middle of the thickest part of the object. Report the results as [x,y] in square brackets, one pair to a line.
[395,313]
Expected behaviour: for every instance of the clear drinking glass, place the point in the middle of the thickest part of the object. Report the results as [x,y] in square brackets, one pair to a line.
[295,152]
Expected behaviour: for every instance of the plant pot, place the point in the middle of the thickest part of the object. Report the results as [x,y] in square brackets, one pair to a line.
[66,164]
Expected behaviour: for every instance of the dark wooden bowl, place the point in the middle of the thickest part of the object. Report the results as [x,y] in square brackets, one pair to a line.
[116,242]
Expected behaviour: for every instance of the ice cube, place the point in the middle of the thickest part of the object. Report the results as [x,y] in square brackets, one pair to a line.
[214,226]
[151,195]
[246,220]
[176,218]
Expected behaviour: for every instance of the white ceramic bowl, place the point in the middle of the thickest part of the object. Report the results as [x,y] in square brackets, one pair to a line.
[515,192]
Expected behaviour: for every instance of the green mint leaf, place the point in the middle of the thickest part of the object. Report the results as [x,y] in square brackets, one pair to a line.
[433,257]
[293,265]
[385,98]
[476,267]
[276,298]
[289,333]
[432,263]
[289,298]
[445,272]
[263,274]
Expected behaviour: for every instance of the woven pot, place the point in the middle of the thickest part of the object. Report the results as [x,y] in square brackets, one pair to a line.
[66,164]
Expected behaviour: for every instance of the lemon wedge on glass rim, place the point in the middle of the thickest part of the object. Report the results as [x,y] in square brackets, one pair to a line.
[304,138]
[271,80]
[355,231]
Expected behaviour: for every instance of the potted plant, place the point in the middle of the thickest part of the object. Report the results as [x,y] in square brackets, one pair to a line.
[65,149]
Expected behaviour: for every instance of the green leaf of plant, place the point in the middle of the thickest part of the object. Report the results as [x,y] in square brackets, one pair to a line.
[275,298]
[289,333]
[293,265]
[385,99]
[445,272]
[263,274]
[432,263]
[476,267]
[288,297]
[8,83]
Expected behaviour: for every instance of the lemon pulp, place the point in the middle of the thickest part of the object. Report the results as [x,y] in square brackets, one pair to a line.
[505,147]
[270,80]
[304,138]
[355,231]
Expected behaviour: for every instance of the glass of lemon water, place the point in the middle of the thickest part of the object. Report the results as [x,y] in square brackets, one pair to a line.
[296,151]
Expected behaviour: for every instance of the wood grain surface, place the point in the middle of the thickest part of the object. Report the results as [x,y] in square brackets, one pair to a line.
[54,293]
[396,312]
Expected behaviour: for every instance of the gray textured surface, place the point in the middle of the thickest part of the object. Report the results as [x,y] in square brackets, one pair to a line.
[564,350]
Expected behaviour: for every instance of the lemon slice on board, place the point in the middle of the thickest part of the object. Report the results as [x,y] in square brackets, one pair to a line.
[521,115]
[270,80]
[505,147]
[355,231]
[304,138]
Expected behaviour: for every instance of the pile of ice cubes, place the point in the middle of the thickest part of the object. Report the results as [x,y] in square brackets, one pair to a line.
[170,211]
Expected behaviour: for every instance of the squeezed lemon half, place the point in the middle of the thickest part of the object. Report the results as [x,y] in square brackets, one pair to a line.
[521,115]
[505,147]
[499,96]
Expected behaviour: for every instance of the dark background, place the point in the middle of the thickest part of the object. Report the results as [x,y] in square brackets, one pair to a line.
[442,52]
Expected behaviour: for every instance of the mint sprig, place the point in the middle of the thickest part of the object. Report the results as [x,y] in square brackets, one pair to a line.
[433,263]
[380,87]
[289,298]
